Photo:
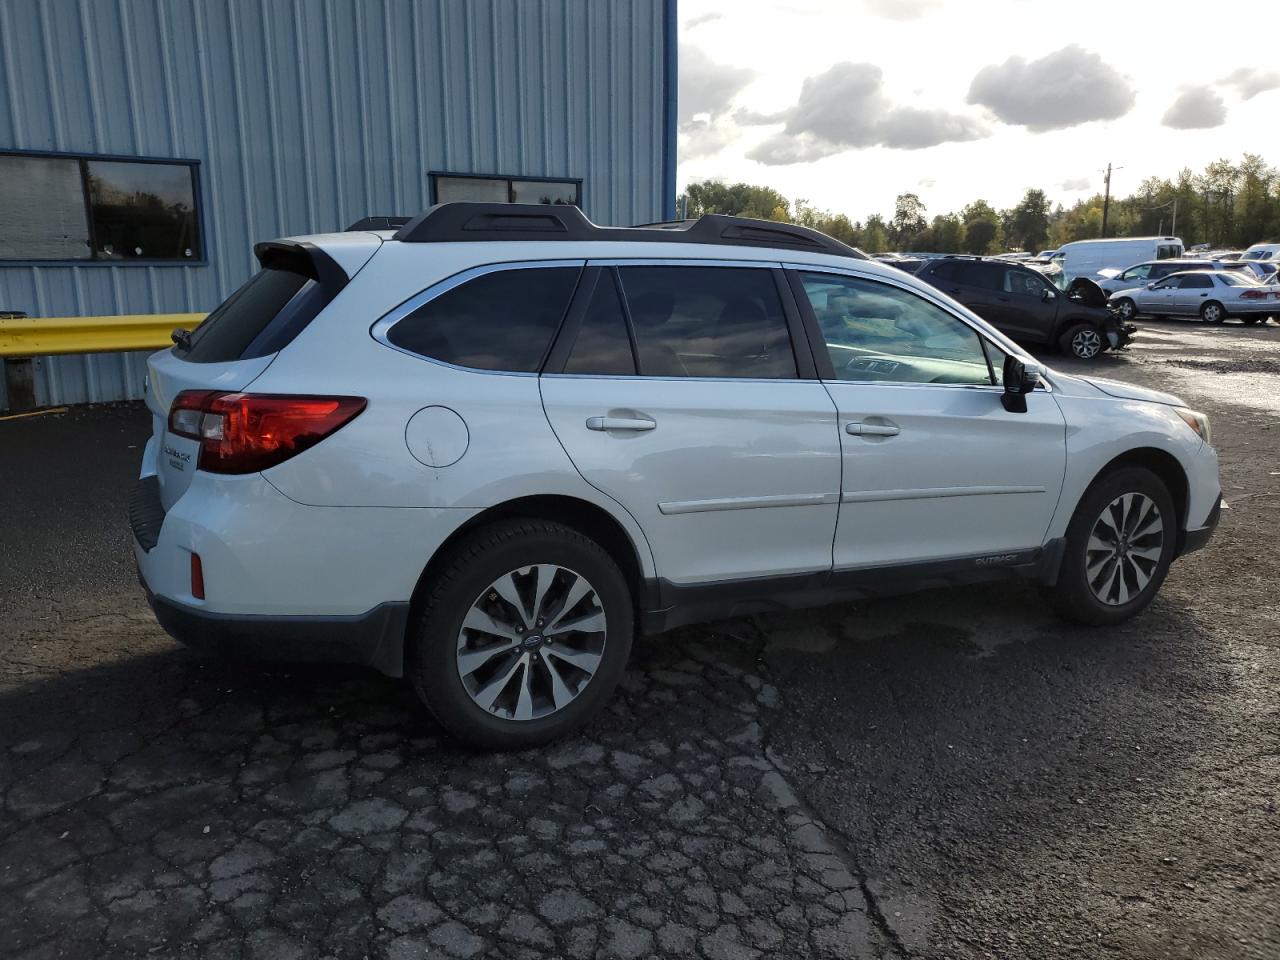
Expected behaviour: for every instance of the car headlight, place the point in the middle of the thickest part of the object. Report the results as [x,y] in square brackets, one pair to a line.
[1197,421]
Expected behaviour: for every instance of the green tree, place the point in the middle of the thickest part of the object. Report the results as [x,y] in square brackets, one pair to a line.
[981,228]
[908,221]
[875,234]
[1027,224]
[737,199]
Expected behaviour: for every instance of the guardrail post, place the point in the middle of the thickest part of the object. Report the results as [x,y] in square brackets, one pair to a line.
[19,373]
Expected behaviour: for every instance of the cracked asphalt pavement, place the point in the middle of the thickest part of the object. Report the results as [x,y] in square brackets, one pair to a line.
[949,774]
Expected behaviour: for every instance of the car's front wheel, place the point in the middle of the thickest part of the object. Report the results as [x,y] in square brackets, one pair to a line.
[1119,546]
[524,633]
[1083,341]
[1125,309]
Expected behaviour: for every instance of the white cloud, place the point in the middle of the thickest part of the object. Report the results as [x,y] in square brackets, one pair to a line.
[845,108]
[1251,81]
[1065,88]
[1197,109]
[701,19]
[707,87]
[901,9]
[1074,184]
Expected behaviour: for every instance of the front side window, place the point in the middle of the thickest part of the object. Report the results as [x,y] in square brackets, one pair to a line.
[1022,283]
[875,331]
[82,208]
[708,322]
[501,321]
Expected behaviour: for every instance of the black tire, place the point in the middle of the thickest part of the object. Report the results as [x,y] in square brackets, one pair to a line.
[1125,309]
[1083,341]
[1213,312]
[1073,597]
[1250,321]
[471,567]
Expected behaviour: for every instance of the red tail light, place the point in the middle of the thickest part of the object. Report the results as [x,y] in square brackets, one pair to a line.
[1253,294]
[247,432]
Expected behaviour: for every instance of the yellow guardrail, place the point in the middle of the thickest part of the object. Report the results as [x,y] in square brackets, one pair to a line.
[39,336]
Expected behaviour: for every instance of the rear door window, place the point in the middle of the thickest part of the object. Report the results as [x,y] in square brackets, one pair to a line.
[708,322]
[260,318]
[503,320]
[1196,281]
[603,346]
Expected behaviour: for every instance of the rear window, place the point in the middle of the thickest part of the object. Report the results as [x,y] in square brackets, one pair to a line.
[260,318]
[1169,252]
[497,321]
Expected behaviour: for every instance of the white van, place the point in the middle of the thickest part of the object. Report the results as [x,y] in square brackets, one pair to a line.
[1085,258]
[1262,251]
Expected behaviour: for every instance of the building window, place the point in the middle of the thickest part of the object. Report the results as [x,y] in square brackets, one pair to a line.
[98,209]
[448,187]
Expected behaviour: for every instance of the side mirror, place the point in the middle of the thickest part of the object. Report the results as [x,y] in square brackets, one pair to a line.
[1046,295]
[1151,284]
[1020,378]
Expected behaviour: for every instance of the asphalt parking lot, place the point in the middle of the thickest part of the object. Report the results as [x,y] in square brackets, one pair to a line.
[954,774]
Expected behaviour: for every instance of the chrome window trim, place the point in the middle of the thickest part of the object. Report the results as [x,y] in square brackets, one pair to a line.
[770,264]
[983,333]
[381,328]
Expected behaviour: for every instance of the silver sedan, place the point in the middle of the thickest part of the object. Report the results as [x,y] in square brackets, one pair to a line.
[1211,295]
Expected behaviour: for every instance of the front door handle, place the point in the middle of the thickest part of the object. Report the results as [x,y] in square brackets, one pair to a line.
[860,429]
[619,423]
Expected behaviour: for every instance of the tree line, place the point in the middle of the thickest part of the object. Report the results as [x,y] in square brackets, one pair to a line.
[1228,205]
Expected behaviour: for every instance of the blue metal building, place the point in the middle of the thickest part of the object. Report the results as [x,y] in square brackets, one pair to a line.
[145,145]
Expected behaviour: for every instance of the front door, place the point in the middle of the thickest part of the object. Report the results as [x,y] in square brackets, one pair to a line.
[935,468]
[675,390]
[1030,307]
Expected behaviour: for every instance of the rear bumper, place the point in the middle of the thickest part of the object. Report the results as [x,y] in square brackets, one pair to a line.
[374,639]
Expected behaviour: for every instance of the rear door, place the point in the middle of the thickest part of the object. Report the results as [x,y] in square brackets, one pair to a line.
[232,347]
[1190,295]
[681,391]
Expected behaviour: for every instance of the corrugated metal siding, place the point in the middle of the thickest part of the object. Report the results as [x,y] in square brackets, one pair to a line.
[309,114]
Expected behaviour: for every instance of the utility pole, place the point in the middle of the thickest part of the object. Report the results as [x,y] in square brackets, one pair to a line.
[1106,201]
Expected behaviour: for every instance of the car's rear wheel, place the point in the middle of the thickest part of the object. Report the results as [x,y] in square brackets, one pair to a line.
[1119,546]
[1250,321]
[1212,312]
[1125,309]
[1082,341]
[524,634]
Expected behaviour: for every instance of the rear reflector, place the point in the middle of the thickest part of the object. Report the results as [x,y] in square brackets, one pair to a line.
[248,432]
[197,577]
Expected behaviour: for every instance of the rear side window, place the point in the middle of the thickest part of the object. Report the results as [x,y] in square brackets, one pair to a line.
[497,321]
[708,322]
[260,318]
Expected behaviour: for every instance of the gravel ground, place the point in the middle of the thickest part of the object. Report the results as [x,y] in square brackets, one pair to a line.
[953,774]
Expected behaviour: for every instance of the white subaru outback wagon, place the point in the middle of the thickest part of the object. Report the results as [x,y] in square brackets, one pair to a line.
[485,450]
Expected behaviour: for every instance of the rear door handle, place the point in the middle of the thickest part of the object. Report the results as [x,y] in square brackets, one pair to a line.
[860,429]
[619,423]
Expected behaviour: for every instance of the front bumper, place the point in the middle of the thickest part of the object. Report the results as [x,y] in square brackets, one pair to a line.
[1120,335]
[1197,538]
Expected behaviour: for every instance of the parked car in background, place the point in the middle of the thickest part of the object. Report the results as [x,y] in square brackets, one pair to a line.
[1263,270]
[1227,255]
[1084,258]
[1211,295]
[1262,251]
[1112,281]
[557,435]
[1022,303]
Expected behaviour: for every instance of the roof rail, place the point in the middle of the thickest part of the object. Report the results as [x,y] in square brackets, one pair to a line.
[462,222]
[378,223]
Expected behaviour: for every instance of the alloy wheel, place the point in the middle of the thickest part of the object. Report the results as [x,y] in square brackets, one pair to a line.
[1124,548]
[1086,344]
[531,642]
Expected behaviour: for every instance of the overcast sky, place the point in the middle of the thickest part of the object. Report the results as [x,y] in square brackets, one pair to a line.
[850,102]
